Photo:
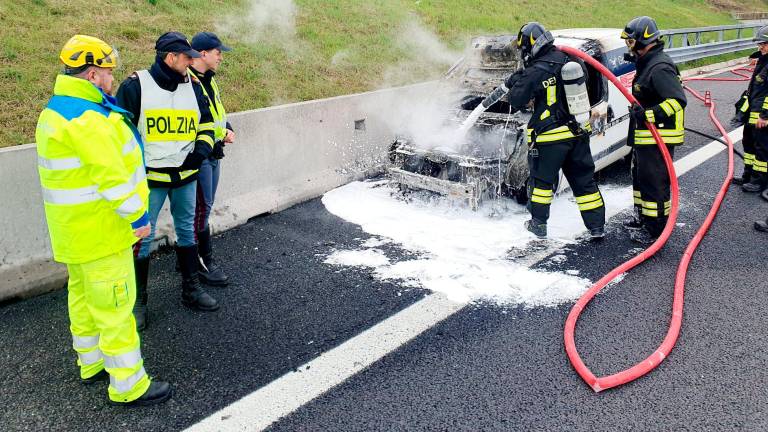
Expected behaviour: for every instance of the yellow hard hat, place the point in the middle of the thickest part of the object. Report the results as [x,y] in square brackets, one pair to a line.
[83,50]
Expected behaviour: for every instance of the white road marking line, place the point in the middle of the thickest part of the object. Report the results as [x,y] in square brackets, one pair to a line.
[263,407]
[286,394]
[697,157]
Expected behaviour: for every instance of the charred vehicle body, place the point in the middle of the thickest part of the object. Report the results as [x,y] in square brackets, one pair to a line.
[491,161]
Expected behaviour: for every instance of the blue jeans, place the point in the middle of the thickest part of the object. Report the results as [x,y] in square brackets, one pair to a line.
[207,182]
[182,209]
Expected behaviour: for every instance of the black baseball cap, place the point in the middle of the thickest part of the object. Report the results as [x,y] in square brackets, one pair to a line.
[175,42]
[205,41]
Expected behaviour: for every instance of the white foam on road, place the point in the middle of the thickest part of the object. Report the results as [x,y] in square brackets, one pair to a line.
[461,253]
[360,258]
[288,393]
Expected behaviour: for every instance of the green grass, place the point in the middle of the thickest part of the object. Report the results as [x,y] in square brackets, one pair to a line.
[339,46]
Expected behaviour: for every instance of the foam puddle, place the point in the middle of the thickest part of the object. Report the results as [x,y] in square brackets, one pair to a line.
[461,253]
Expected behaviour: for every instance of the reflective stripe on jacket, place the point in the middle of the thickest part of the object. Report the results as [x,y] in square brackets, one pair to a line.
[91,172]
[658,88]
[218,112]
[541,81]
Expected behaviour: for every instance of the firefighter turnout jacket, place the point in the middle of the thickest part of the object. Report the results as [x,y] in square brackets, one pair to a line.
[541,81]
[755,100]
[172,113]
[91,172]
[658,88]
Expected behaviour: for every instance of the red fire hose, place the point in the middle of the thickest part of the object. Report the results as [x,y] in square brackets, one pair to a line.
[602,383]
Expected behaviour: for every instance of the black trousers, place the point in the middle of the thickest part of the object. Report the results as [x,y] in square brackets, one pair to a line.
[573,156]
[748,142]
[758,140]
[651,185]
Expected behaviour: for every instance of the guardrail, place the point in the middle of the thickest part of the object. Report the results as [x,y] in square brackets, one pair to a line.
[702,42]
[744,16]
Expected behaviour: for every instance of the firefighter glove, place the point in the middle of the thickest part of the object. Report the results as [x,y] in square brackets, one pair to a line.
[638,113]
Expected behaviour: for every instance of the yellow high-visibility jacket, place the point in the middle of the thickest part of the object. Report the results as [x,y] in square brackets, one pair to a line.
[91,172]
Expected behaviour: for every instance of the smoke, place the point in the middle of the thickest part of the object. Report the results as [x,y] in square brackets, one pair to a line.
[425,114]
[425,45]
[424,56]
[421,113]
[264,22]
[341,58]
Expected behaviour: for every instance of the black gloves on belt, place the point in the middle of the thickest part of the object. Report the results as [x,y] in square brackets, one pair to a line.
[218,150]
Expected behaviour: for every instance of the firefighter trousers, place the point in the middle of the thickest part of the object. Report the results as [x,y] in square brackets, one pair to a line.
[101,294]
[748,142]
[757,140]
[574,157]
[650,184]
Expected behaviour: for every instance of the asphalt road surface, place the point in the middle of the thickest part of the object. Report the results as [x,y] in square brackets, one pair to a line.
[485,367]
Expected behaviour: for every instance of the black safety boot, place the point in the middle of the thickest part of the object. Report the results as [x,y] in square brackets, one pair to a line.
[597,233]
[635,221]
[762,226]
[193,295]
[764,195]
[210,273]
[157,393]
[141,267]
[745,178]
[99,377]
[632,224]
[642,236]
[753,186]
[538,228]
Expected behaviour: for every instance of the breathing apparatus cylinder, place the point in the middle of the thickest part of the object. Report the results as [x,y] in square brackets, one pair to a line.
[576,95]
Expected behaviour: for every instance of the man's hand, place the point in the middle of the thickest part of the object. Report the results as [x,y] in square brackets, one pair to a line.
[230,138]
[143,232]
[761,123]
[638,113]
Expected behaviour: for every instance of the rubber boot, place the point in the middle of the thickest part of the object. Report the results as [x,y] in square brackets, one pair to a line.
[635,222]
[141,267]
[157,393]
[102,376]
[210,273]
[642,236]
[193,295]
[762,226]
[756,184]
[745,177]
[597,233]
[538,228]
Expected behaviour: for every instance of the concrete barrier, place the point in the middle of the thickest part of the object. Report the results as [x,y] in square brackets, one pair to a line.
[283,155]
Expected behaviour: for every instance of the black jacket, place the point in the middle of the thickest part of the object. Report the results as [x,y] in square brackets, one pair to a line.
[757,91]
[129,98]
[657,80]
[550,109]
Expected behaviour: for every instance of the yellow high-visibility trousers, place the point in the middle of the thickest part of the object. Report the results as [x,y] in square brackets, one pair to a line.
[101,298]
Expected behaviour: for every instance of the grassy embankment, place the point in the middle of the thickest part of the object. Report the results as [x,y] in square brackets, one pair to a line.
[333,47]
